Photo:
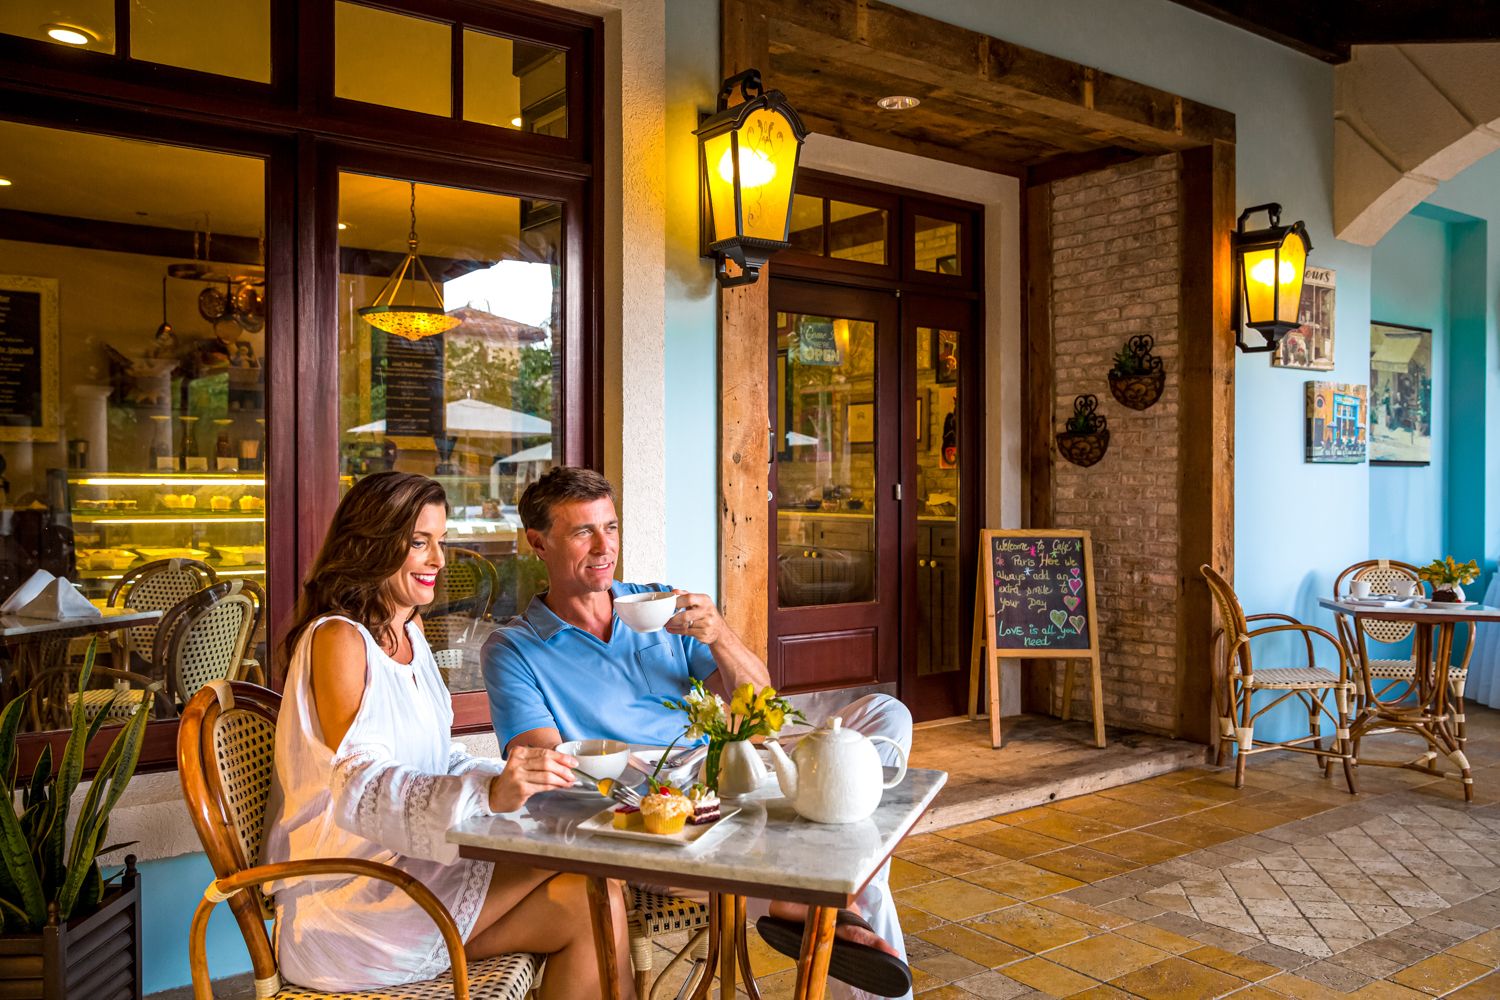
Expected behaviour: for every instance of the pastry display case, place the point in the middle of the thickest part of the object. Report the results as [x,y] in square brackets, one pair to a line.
[121,520]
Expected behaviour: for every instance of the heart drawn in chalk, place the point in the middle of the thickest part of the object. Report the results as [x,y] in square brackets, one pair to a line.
[1072,602]
[1077,621]
[1059,618]
[1075,571]
[1074,584]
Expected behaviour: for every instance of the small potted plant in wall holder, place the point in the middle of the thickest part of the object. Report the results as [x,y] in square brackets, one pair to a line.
[1085,438]
[1448,577]
[65,929]
[1137,379]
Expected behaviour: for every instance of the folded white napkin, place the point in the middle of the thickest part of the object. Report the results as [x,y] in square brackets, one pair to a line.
[59,599]
[26,592]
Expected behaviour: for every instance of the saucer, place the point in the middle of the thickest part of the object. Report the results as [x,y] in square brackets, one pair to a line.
[1449,604]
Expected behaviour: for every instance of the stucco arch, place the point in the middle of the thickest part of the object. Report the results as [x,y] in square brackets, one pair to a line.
[1407,118]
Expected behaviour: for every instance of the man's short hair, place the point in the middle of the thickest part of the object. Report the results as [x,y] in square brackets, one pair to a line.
[564,484]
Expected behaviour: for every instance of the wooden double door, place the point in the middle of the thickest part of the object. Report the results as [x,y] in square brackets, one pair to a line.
[875,433]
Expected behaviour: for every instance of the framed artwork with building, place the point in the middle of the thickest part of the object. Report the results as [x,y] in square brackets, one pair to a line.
[861,423]
[1310,346]
[1335,422]
[1400,394]
[28,358]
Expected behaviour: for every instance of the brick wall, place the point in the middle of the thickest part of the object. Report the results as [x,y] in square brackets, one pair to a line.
[1115,273]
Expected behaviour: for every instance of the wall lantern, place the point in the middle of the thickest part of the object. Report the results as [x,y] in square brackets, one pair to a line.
[410,321]
[748,161]
[1268,267]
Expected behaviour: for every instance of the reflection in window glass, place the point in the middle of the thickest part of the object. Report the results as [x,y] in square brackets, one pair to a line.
[228,37]
[476,407]
[390,59]
[75,24]
[132,403]
[856,232]
[936,246]
[938,430]
[514,84]
[807,224]
[825,476]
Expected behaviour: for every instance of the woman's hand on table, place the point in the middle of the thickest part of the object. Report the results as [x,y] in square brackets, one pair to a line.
[529,770]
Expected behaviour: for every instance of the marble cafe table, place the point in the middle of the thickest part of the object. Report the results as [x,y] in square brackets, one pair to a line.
[38,643]
[768,852]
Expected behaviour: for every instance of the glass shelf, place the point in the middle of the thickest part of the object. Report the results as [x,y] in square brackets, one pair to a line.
[197,517]
[224,571]
[168,479]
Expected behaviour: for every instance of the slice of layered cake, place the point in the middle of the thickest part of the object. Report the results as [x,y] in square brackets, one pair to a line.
[705,805]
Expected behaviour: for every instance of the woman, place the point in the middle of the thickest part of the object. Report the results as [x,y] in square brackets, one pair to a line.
[365,768]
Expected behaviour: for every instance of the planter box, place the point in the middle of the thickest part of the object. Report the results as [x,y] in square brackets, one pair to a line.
[94,957]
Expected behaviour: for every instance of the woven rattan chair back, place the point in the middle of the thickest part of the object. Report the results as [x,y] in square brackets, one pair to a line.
[1231,617]
[1381,574]
[466,591]
[225,751]
[205,637]
[157,586]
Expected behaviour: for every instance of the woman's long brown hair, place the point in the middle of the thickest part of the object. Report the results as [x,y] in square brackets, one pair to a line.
[366,544]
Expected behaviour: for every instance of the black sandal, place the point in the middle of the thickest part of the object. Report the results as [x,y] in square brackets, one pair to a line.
[860,965]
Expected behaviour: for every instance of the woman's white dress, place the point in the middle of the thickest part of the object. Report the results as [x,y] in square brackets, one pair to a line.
[387,793]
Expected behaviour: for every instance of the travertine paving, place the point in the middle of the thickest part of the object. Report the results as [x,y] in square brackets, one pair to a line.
[1180,887]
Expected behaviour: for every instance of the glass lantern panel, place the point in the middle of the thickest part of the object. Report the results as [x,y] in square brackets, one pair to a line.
[716,155]
[1290,267]
[767,161]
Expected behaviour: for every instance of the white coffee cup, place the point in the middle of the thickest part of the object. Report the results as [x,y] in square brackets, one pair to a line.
[1359,589]
[647,611]
[598,759]
[1403,587]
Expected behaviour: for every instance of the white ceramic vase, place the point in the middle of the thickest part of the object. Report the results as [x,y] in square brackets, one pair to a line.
[740,769]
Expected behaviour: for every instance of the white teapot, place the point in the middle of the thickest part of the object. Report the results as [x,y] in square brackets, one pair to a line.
[834,775]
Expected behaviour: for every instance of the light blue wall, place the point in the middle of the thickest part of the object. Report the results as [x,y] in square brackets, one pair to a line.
[170,890]
[1409,285]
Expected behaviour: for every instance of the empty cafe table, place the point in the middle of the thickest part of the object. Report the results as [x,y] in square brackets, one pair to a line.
[38,643]
[1432,653]
[768,851]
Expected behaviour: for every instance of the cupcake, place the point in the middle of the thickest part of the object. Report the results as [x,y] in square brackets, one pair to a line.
[705,805]
[665,811]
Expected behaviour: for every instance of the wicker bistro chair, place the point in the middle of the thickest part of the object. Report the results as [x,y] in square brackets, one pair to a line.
[156,586]
[461,606]
[206,637]
[1401,673]
[224,748]
[651,914]
[1238,681]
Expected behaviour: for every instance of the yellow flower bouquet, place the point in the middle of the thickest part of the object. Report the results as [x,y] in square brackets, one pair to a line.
[749,713]
[1447,577]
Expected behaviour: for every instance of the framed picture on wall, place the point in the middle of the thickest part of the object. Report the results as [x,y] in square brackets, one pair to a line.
[1335,422]
[861,423]
[1400,394]
[28,347]
[945,355]
[945,423]
[921,421]
[1310,346]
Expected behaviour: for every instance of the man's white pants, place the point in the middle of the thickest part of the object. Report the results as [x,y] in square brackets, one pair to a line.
[872,715]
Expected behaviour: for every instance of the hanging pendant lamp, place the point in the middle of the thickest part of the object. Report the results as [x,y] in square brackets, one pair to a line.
[410,321]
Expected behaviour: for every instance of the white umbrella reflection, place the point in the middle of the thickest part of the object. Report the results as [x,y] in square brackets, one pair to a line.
[476,417]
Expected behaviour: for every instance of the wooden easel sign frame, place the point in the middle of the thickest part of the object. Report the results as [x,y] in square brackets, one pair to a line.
[1042,581]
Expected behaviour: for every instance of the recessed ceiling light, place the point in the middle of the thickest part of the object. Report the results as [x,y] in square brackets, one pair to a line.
[4,182]
[515,122]
[69,34]
[343,226]
[898,102]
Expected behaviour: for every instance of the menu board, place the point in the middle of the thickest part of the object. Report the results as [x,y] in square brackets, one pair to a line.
[28,365]
[1042,592]
[413,374]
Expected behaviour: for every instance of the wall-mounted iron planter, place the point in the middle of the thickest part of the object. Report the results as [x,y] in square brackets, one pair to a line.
[1085,438]
[1137,379]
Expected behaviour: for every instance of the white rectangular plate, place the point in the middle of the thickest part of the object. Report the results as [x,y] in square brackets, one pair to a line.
[691,836]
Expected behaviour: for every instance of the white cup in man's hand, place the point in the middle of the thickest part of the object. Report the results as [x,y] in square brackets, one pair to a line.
[647,611]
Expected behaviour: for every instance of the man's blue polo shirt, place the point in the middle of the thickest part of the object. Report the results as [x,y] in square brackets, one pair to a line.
[541,672]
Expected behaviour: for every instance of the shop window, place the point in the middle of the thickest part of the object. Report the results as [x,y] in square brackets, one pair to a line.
[514,84]
[857,232]
[935,245]
[394,60]
[78,24]
[133,327]
[475,407]
[227,37]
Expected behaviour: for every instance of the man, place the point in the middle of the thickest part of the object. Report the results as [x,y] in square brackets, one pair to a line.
[568,669]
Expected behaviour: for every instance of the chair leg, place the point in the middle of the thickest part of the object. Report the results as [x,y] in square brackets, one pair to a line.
[1315,729]
[1459,723]
[1343,742]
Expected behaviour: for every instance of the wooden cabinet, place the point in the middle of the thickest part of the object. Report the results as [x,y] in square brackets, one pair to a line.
[824,560]
[937,598]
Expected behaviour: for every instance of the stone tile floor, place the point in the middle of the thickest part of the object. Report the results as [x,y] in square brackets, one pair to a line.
[1181,886]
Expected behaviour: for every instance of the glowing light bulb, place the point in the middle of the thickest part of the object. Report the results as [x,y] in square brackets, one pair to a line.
[515,122]
[756,168]
[343,226]
[70,34]
[1263,271]
[4,182]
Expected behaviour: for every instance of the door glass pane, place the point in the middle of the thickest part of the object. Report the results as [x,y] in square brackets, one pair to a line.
[807,223]
[936,245]
[825,475]
[474,407]
[857,232]
[132,405]
[228,37]
[74,24]
[938,432]
[514,84]
[395,60]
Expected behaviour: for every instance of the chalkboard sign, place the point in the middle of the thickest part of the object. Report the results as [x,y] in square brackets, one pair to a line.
[413,373]
[1040,593]
[1034,599]
[28,358]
